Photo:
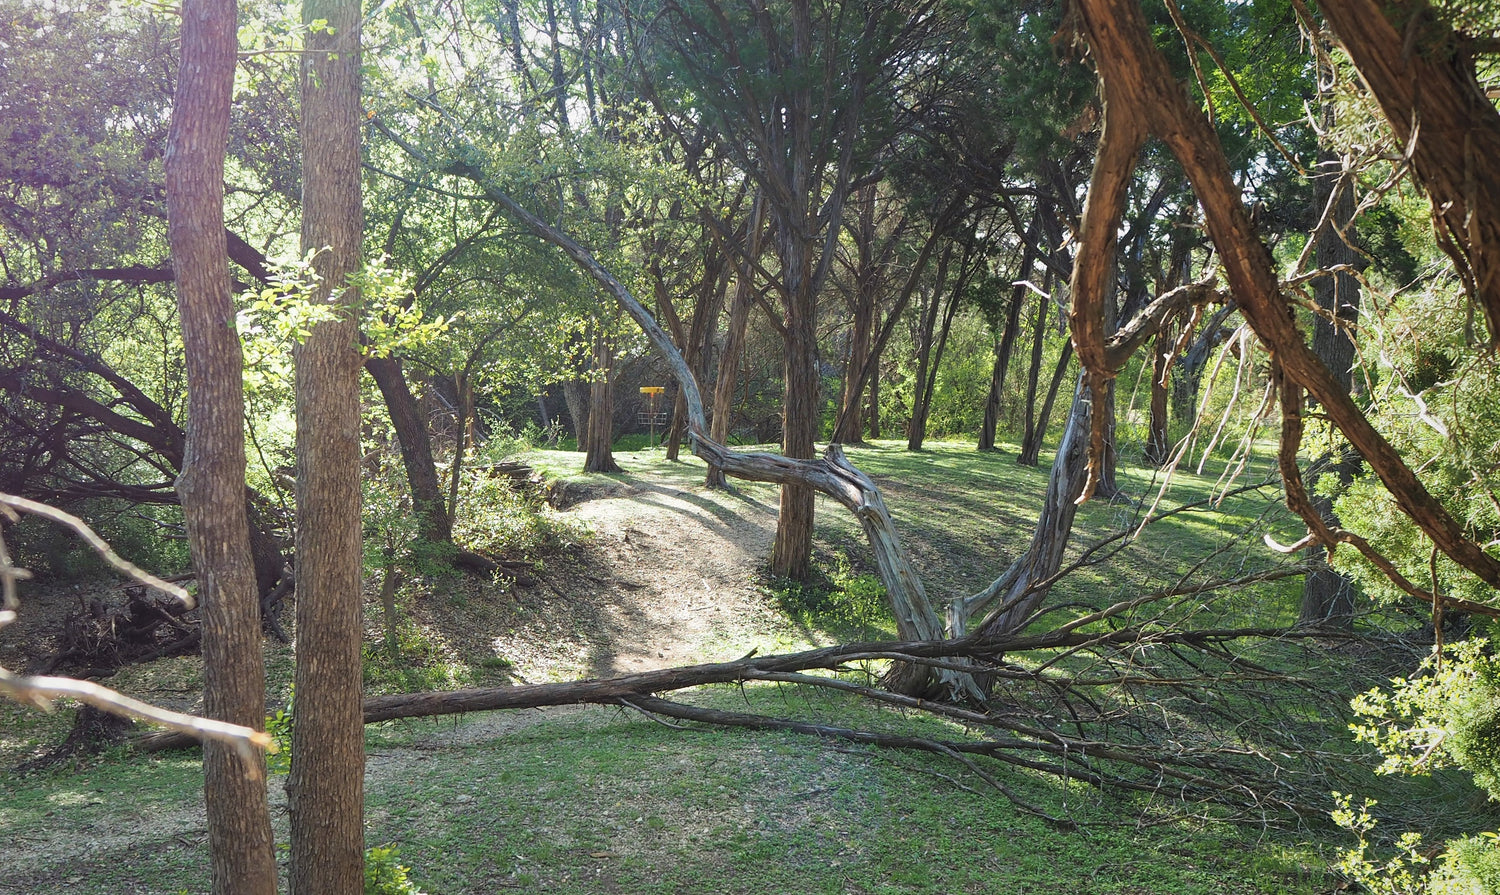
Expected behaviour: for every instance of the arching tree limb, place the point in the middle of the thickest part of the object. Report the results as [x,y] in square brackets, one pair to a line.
[1136,75]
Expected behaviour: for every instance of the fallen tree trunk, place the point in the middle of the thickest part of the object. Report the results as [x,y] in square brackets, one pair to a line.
[1219,764]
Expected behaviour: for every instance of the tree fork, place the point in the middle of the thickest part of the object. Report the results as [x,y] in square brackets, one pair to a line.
[1135,75]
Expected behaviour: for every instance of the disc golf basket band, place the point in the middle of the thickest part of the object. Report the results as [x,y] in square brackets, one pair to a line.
[651,417]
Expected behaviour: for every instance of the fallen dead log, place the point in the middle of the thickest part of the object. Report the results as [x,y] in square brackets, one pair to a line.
[1098,726]
[971,651]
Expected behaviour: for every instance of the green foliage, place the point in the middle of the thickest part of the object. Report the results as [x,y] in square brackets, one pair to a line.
[502,520]
[283,313]
[147,535]
[1471,865]
[1436,400]
[419,662]
[1446,714]
[840,601]
[279,726]
[1402,870]
[385,874]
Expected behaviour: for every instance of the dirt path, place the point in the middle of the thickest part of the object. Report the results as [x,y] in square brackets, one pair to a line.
[667,576]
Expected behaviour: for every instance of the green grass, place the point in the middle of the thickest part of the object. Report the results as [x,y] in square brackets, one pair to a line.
[600,800]
[964,515]
[603,800]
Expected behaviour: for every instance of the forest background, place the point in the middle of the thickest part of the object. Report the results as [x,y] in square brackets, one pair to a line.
[1180,236]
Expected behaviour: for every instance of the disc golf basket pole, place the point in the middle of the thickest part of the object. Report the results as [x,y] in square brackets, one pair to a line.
[651,418]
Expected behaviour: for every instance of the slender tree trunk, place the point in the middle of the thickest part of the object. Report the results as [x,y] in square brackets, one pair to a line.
[851,421]
[729,365]
[578,410]
[734,338]
[916,430]
[729,359]
[868,278]
[433,521]
[1107,487]
[325,789]
[1017,594]
[991,424]
[1003,351]
[601,429]
[462,430]
[1158,448]
[1031,451]
[1034,371]
[919,420]
[1327,596]
[212,484]
[701,335]
[874,406]
[1187,379]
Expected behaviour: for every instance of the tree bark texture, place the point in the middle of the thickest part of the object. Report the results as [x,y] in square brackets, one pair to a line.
[325,788]
[1034,371]
[1017,593]
[578,411]
[872,258]
[702,332]
[916,432]
[600,456]
[1136,79]
[1423,78]
[791,554]
[1031,448]
[1011,331]
[1158,447]
[1327,596]
[212,483]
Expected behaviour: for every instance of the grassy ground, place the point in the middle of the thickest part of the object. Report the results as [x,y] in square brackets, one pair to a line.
[600,800]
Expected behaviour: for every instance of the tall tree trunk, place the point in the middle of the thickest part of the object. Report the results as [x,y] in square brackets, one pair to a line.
[1158,448]
[868,276]
[578,411]
[1031,450]
[1327,596]
[1034,370]
[1187,380]
[791,554]
[1107,487]
[433,522]
[701,334]
[734,339]
[919,418]
[325,789]
[916,430]
[463,423]
[851,420]
[874,406]
[989,427]
[601,429]
[212,484]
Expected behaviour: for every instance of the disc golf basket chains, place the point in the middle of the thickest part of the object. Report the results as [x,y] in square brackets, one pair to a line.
[651,417]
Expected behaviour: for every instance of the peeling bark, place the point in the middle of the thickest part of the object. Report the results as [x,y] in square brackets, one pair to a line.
[1139,84]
